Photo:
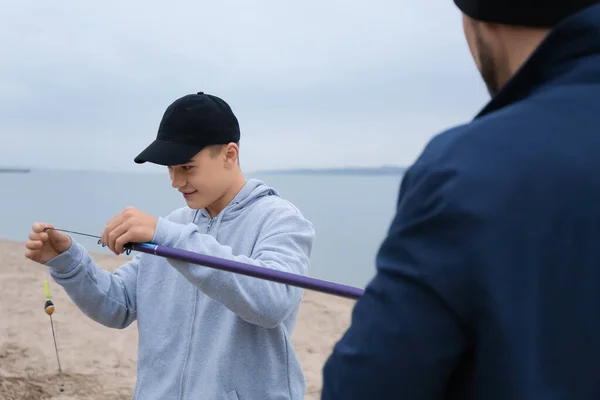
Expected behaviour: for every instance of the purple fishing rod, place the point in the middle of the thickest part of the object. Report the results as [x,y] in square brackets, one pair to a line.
[249,270]
[302,281]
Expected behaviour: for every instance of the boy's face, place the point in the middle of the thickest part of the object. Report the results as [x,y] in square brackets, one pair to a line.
[205,179]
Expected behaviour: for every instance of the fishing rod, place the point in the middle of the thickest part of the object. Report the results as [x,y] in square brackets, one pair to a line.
[237,267]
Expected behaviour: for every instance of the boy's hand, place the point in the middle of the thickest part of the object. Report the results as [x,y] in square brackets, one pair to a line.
[129,226]
[43,245]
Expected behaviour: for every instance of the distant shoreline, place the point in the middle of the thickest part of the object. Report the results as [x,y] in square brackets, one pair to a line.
[340,171]
[376,171]
[15,170]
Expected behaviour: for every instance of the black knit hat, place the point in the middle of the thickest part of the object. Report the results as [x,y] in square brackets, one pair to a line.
[189,124]
[533,13]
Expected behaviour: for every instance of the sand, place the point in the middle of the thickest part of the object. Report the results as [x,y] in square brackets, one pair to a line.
[99,362]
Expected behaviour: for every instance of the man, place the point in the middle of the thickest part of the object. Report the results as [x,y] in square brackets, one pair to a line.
[488,283]
[203,333]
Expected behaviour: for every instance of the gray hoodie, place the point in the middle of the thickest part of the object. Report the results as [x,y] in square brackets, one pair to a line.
[206,333]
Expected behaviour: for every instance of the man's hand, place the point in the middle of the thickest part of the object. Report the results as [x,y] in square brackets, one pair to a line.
[129,226]
[44,244]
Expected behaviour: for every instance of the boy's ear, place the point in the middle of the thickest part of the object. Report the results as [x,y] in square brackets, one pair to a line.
[231,153]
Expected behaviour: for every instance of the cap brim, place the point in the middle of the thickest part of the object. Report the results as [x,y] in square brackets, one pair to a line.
[164,152]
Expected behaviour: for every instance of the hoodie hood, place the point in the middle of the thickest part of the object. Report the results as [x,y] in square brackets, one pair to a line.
[252,191]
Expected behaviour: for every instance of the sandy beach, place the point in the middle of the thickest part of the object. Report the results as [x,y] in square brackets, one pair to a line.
[99,362]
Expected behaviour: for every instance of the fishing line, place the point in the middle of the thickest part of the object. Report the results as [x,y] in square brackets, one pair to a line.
[238,267]
[127,250]
[49,309]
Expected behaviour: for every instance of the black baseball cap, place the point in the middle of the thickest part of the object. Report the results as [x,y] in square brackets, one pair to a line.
[188,125]
[533,13]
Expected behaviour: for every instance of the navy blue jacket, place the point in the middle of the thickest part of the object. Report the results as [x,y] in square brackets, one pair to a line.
[488,283]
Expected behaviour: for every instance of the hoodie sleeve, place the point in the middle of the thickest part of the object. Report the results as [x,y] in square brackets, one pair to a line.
[409,330]
[107,298]
[284,243]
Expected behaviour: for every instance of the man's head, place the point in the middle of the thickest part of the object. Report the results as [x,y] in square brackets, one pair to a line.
[502,34]
[198,140]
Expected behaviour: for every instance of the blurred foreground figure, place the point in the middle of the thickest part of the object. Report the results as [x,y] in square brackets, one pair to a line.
[488,284]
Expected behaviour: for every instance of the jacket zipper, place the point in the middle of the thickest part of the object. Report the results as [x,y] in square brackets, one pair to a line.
[184,380]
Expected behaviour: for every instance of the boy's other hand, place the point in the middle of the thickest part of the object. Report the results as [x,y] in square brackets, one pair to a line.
[44,244]
[129,226]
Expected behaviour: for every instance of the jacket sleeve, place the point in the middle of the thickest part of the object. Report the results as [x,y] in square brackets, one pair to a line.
[284,243]
[408,331]
[107,298]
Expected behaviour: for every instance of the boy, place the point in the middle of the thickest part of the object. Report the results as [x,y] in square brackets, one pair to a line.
[203,333]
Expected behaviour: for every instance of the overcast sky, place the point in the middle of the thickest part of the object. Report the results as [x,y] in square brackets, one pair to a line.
[314,83]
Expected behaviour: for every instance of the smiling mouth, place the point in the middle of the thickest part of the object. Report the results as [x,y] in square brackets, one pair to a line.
[188,194]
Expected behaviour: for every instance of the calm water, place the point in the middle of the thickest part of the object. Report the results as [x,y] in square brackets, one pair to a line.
[351,213]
